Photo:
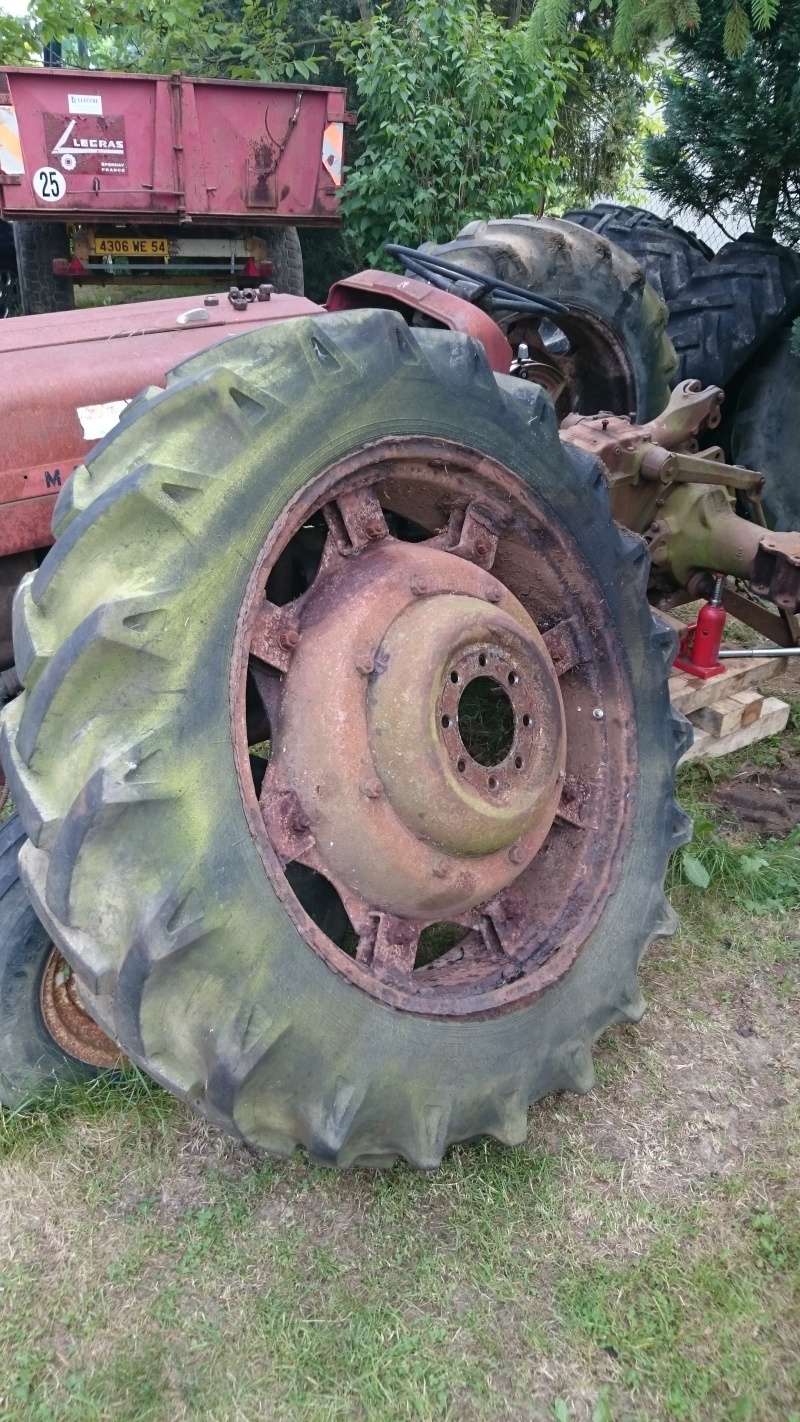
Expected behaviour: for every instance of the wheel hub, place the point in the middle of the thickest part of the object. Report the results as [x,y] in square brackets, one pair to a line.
[67,1021]
[402,813]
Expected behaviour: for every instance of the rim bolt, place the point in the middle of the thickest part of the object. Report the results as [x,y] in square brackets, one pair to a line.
[419,586]
[598,714]
[365,665]
[374,529]
[516,854]
[493,595]
[440,869]
[288,638]
[372,789]
[481,547]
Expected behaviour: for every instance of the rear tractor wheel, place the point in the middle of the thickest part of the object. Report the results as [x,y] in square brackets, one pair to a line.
[347,760]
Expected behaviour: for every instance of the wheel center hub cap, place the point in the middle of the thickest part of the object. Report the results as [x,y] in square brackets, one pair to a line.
[422,731]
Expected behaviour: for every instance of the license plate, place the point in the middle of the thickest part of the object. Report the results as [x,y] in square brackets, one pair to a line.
[130,247]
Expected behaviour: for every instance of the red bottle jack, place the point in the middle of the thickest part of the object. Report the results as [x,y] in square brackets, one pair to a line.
[698,651]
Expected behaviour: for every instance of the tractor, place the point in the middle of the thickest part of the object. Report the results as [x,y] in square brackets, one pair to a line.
[338,731]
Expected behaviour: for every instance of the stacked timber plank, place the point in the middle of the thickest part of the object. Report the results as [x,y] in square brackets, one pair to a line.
[727,712]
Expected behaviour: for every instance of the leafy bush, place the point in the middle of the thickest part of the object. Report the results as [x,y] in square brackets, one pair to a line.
[456,118]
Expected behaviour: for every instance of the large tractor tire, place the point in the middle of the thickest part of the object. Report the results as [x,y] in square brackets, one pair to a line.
[45,1035]
[731,307]
[611,351]
[286,255]
[346,751]
[37,244]
[763,422]
[667,254]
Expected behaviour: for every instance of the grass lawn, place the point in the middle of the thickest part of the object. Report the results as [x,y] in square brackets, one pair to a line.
[638,1259]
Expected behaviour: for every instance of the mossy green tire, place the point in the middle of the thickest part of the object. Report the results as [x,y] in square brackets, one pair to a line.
[121,761]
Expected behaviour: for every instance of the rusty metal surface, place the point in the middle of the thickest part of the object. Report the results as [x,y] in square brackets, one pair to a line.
[376,288]
[160,149]
[68,1023]
[53,366]
[371,785]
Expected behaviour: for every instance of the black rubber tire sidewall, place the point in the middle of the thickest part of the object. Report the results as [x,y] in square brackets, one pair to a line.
[286,256]
[37,244]
[764,419]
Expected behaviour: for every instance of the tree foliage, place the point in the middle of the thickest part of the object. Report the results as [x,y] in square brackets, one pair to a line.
[732,125]
[639,23]
[247,39]
[456,120]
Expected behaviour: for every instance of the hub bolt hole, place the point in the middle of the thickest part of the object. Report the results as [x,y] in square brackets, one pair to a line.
[454,677]
[445,721]
[486,721]
[518,761]
[513,678]
[482,659]
[526,720]
[462,765]
[492,783]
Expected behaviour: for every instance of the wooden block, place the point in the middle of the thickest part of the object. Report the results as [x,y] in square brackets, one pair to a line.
[752,704]
[773,718]
[724,716]
[689,693]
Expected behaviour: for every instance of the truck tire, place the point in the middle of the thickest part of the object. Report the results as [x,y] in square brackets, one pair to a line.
[31,1059]
[764,415]
[166,861]
[286,256]
[9,279]
[731,306]
[619,357]
[667,254]
[38,244]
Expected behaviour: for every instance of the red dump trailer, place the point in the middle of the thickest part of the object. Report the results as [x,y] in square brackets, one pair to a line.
[151,178]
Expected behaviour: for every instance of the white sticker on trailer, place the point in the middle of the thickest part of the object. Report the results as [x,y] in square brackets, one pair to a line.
[85,103]
[97,420]
[10,146]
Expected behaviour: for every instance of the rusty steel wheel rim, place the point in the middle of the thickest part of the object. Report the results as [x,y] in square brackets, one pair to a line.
[442,877]
[70,1026]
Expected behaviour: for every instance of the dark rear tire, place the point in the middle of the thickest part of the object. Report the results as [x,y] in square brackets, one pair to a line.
[763,428]
[667,254]
[731,306]
[286,256]
[122,751]
[38,244]
[619,357]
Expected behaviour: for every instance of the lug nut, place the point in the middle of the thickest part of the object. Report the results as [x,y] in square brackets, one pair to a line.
[516,854]
[481,547]
[288,638]
[440,869]
[264,291]
[300,824]
[372,789]
[419,587]
[365,665]
[493,595]
[598,714]
[374,529]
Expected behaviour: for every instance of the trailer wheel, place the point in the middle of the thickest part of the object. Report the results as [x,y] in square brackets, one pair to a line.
[345,750]
[286,255]
[45,1036]
[38,244]
[611,352]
